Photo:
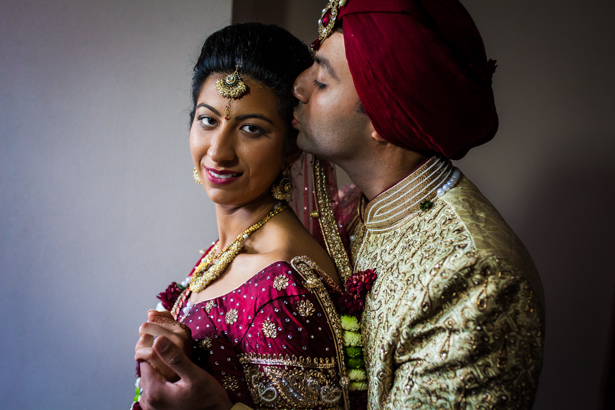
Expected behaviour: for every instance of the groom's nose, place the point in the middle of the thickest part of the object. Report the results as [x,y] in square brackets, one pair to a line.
[300,88]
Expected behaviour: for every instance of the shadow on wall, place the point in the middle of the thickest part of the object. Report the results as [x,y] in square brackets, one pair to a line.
[569,220]
[264,11]
[300,17]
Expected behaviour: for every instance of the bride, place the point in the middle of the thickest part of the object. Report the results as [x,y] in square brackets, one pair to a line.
[254,316]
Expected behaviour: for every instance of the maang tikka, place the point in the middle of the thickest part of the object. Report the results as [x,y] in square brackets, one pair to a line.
[231,87]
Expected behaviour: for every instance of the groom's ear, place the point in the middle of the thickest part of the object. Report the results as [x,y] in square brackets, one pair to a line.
[373,133]
[377,136]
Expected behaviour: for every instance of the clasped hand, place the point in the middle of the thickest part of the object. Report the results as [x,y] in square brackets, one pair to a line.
[169,379]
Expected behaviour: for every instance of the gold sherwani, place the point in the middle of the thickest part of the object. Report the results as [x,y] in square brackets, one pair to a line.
[455,319]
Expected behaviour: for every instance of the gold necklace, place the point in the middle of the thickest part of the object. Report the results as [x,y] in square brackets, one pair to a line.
[211,267]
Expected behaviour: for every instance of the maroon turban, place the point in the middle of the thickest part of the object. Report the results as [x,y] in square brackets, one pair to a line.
[421,73]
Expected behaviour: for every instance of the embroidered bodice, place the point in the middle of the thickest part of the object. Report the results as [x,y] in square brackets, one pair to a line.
[274,341]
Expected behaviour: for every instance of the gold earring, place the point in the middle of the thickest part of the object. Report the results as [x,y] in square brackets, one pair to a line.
[196,177]
[284,188]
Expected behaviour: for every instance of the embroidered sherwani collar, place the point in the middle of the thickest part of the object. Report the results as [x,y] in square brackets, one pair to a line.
[395,205]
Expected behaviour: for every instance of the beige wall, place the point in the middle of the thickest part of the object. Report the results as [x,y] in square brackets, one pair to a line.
[98,210]
[549,169]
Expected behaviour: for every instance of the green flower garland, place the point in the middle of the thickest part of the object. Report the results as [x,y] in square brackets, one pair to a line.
[351,305]
[353,353]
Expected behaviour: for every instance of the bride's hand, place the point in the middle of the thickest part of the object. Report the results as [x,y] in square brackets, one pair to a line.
[161,324]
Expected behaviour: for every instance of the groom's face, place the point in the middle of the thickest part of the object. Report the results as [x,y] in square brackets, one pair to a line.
[329,118]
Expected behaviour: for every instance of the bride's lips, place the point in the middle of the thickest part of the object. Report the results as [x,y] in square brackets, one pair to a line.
[220,176]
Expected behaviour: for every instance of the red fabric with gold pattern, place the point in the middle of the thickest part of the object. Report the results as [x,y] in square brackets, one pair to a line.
[272,313]
[421,72]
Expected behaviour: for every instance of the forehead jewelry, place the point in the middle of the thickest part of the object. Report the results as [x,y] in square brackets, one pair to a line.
[327,21]
[231,87]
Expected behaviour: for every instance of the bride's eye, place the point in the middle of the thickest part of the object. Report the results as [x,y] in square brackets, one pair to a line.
[252,129]
[207,121]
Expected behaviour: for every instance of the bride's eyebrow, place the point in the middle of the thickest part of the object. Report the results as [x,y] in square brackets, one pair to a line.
[209,107]
[246,116]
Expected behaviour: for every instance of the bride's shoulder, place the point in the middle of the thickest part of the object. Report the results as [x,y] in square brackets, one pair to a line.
[293,240]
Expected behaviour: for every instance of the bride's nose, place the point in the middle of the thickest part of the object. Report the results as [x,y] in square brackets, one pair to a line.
[221,148]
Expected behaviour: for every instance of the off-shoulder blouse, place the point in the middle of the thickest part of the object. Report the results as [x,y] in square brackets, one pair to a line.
[273,342]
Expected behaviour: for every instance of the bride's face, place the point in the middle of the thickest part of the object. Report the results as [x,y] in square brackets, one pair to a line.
[237,159]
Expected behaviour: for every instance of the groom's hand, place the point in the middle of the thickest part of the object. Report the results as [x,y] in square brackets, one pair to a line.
[195,390]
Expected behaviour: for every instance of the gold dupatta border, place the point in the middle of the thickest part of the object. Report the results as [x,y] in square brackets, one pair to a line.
[306,268]
[328,226]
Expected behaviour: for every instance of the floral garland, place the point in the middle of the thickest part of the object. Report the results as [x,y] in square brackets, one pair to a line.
[351,304]
[135,403]
[170,295]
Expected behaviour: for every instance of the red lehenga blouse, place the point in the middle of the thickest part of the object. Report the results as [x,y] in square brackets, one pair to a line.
[275,341]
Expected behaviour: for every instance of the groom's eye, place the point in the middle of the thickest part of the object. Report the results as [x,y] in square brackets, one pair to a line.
[319,85]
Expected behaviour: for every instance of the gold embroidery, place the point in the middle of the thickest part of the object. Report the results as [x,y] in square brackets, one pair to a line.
[230,383]
[269,329]
[306,267]
[358,233]
[305,308]
[454,318]
[331,234]
[292,382]
[231,316]
[388,210]
[288,360]
[208,306]
[178,303]
[205,343]
[280,282]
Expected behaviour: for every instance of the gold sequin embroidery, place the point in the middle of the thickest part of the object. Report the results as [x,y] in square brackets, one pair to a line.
[204,343]
[328,225]
[280,282]
[208,306]
[292,382]
[305,308]
[230,383]
[269,329]
[288,360]
[307,268]
[231,316]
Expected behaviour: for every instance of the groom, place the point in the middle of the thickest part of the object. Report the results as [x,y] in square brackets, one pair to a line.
[455,318]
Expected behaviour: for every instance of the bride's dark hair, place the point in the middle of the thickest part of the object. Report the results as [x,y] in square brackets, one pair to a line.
[266,53]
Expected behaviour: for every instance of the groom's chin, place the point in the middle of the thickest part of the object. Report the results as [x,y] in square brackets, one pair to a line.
[303,143]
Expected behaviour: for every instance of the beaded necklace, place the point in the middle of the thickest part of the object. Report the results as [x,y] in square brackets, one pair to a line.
[212,266]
